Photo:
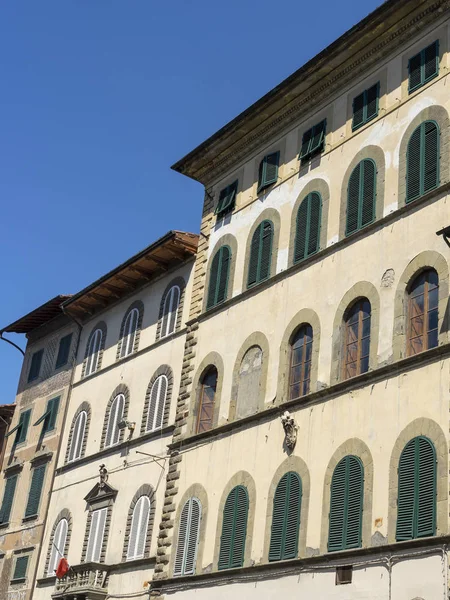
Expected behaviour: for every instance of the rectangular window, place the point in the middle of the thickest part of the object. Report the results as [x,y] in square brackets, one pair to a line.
[227,199]
[49,417]
[63,351]
[34,496]
[313,141]
[35,367]
[20,568]
[8,498]
[96,534]
[344,575]
[423,67]
[268,170]
[365,106]
[21,429]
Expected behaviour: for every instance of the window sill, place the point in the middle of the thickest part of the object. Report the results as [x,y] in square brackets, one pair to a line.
[4,525]
[30,518]
[16,581]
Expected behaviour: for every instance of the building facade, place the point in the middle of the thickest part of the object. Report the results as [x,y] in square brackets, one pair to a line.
[33,442]
[110,484]
[6,415]
[312,423]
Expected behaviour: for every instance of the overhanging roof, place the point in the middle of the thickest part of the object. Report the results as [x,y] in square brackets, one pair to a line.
[350,56]
[174,248]
[37,317]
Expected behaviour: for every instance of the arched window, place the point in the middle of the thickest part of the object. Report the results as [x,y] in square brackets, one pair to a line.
[57,546]
[218,278]
[157,404]
[139,528]
[260,253]
[93,352]
[286,518]
[208,386]
[234,529]
[307,234]
[422,160]
[115,416]
[346,505]
[129,333]
[416,504]
[170,311]
[188,537]
[249,382]
[361,196]
[301,351]
[76,444]
[357,339]
[423,299]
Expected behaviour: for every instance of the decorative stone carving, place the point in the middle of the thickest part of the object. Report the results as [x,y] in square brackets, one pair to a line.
[290,430]
[103,474]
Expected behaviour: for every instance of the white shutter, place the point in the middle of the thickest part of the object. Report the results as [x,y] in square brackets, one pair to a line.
[139,528]
[59,542]
[129,333]
[115,415]
[157,403]
[93,352]
[96,534]
[179,557]
[170,311]
[78,436]
[188,535]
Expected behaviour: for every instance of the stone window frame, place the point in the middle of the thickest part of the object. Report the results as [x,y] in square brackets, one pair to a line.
[180,282]
[161,370]
[306,316]
[213,359]
[144,490]
[440,115]
[86,407]
[194,491]
[376,154]
[429,259]
[320,186]
[297,465]
[272,215]
[120,389]
[226,240]
[354,447]
[257,338]
[102,326]
[246,480]
[139,305]
[108,504]
[431,430]
[64,514]
[362,289]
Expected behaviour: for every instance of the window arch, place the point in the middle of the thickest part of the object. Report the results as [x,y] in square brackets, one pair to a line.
[422,160]
[234,529]
[260,253]
[346,505]
[307,232]
[300,364]
[208,387]
[94,350]
[116,413]
[130,330]
[423,315]
[188,538]
[78,436]
[219,276]
[139,528]
[416,504]
[57,545]
[361,196]
[357,339]
[286,518]
[170,311]
[157,404]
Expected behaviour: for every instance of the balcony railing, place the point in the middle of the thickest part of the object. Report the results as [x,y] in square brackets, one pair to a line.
[88,581]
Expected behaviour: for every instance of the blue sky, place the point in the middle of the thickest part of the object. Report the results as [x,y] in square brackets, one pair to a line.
[98,99]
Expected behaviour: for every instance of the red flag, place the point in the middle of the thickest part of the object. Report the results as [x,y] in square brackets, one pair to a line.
[63,567]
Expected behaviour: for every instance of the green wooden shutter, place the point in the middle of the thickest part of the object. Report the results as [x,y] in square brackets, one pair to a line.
[213,276]
[414,72]
[35,367]
[268,170]
[430,168]
[372,98]
[346,503]
[20,568]
[24,422]
[234,529]
[367,192]
[353,200]
[422,160]
[260,253]
[50,421]
[426,493]
[307,237]
[286,518]
[8,498]
[430,62]
[34,496]
[254,257]
[413,166]
[318,138]
[218,279]
[406,493]
[358,111]
[63,351]
[306,144]
[226,199]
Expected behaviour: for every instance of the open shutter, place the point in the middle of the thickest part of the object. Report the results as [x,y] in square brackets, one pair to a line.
[358,111]
[368,192]
[372,96]
[254,256]
[354,497]
[34,497]
[24,422]
[337,509]
[271,174]
[52,408]
[8,498]
[318,138]
[406,493]
[353,200]
[20,568]
[192,536]
[413,161]
[431,61]
[414,69]
[430,168]
[157,404]
[266,251]
[306,144]
[426,488]
[139,528]
[96,535]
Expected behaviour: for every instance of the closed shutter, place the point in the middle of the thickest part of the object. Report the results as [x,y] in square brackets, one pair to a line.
[358,111]
[266,251]
[129,333]
[353,200]
[254,257]
[115,415]
[93,351]
[430,166]
[413,166]
[170,311]
[34,496]
[414,69]
[58,544]
[182,538]
[63,351]
[368,192]
[234,529]
[372,95]
[188,537]
[157,403]
[8,498]
[96,535]
[431,61]
[35,368]
[213,277]
[307,236]
[218,279]
[346,504]
[426,493]
[76,444]
[139,528]
[20,568]
[24,422]
[422,161]
[286,518]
